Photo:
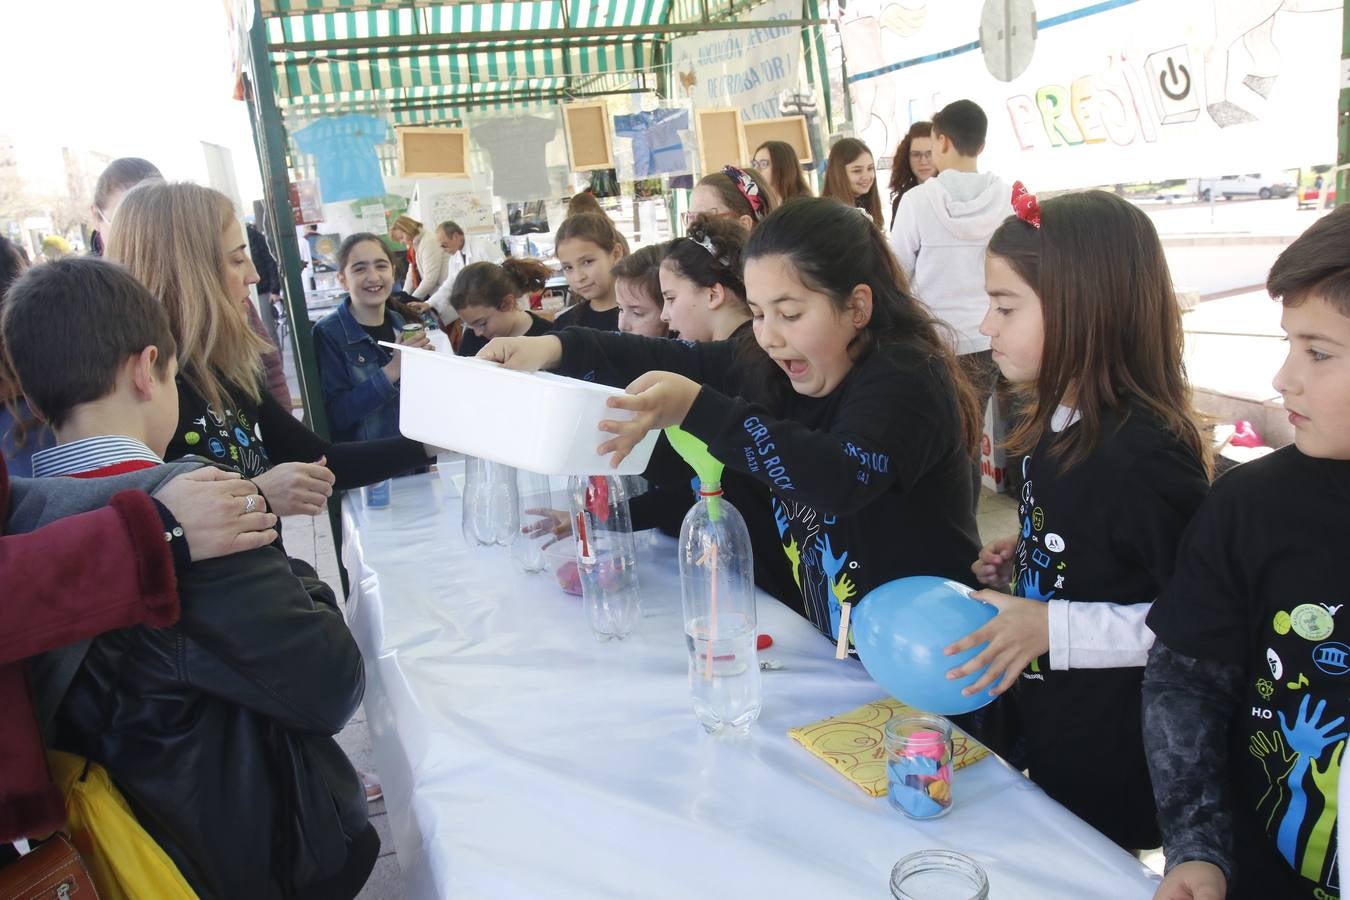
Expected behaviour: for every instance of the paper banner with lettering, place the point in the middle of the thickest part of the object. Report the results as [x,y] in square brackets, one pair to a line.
[1081,93]
[746,69]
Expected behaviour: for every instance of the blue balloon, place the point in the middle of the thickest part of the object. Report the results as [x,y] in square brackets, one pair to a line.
[900,629]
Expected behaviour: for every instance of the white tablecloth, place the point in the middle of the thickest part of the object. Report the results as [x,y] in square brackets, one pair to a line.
[522,758]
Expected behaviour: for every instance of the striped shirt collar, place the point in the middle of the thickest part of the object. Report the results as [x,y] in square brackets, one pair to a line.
[89,454]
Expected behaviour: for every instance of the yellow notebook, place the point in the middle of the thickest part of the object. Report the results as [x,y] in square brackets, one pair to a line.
[854,743]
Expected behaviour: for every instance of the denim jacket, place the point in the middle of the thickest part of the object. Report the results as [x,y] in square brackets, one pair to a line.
[362,404]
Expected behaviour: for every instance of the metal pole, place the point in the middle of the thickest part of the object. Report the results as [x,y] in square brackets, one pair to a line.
[269,138]
[430,42]
[1343,124]
[349,57]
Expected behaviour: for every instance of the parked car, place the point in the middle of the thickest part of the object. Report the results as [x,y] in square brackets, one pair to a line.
[1260,185]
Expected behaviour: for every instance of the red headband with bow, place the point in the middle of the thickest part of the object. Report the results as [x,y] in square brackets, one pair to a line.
[1026,206]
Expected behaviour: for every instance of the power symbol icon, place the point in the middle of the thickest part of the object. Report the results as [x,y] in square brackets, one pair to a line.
[1178,75]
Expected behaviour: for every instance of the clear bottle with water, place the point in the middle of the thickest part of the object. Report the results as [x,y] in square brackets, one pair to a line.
[491,510]
[720,625]
[606,554]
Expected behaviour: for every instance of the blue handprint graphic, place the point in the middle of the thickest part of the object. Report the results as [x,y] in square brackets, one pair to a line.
[1029,586]
[1308,740]
[780,518]
[832,565]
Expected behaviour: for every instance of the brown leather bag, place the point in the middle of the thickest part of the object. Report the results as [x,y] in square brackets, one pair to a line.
[52,871]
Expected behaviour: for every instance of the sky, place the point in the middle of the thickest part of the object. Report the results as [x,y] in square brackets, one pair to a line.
[146,78]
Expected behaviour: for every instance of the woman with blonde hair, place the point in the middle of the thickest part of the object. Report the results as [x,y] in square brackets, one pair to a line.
[426,259]
[184,243]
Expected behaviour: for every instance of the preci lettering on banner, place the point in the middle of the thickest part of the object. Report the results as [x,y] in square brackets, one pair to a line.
[1081,93]
[745,69]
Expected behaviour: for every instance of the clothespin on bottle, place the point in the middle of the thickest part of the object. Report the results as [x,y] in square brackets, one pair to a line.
[841,647]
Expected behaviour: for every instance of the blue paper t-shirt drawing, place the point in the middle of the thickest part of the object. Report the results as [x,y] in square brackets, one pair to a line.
[343,148]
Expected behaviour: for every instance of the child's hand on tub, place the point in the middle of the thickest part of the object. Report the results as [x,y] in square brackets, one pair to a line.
[657,400]
[525,354]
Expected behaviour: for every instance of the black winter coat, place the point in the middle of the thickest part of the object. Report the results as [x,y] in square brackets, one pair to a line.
[218,730]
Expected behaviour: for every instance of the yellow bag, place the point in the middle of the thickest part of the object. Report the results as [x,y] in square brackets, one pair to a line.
[123,860]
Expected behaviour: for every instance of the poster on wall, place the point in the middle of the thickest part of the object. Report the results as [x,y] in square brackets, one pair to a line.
[1082,93]
[470,211]
[744,69]
[373,219]
[306,207]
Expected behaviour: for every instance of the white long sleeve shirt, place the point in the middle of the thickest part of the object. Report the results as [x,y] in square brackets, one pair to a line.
[440,298]
[1096,635]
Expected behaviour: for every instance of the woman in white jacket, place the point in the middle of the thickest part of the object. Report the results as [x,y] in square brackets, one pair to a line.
[426,259]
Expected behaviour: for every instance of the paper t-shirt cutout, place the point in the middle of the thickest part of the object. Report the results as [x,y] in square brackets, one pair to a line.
[657,148]
[343,148]
[516,148]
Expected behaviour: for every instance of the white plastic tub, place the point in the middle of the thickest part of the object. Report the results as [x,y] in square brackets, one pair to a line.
[536,421]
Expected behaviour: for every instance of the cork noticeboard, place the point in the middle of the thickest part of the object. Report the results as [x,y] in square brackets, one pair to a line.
[720,139]
[433,152]
[590,143]
[789,129]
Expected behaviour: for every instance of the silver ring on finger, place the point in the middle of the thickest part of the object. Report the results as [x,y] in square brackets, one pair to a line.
[250,503]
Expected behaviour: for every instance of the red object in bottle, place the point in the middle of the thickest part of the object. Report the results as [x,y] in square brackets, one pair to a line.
[597,497]
[763,642]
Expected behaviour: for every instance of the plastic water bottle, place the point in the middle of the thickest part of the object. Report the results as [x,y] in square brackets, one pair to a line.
[377,494]
[491,509]
[720,625]
[606,554]
[536,522]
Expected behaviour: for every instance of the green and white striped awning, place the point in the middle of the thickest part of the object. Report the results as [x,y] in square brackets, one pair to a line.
[424,62]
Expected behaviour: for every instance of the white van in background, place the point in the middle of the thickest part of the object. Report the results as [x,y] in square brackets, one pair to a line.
[1265,186]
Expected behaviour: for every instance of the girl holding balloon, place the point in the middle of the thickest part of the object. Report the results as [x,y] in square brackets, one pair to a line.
[1083,319]
[847,405]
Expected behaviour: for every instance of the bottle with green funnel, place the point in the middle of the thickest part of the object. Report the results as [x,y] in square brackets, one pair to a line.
[718,585]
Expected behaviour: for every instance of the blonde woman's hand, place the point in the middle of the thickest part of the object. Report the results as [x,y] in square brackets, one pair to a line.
[297,489]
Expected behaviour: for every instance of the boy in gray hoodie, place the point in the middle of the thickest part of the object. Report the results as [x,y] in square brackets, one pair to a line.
[940,234]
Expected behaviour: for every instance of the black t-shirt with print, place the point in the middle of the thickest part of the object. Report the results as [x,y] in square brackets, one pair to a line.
[584,316]
[470,343]
[253,436]
[383,331]
[1261,584]
[867,484]
[1104,530]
